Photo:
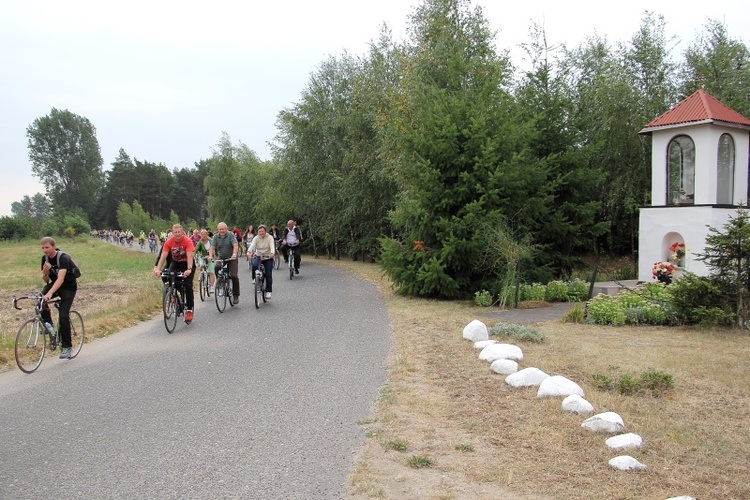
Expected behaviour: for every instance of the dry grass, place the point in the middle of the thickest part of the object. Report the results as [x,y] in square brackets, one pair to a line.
[441,399]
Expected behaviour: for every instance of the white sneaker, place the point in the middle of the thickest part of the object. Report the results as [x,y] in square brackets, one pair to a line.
[211,289]
[253,281]
[268,295]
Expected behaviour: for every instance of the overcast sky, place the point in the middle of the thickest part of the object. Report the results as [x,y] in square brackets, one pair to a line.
[164,79]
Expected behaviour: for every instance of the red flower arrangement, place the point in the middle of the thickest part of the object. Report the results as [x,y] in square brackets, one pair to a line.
[678,250]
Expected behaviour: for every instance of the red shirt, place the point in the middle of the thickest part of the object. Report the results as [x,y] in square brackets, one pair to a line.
[179,250]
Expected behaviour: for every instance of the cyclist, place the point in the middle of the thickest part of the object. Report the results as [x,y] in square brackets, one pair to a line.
[181,249]
[262,249]
[292,237]
[201,253]
[247,238]
[142,238]
[60,282]
[224,245]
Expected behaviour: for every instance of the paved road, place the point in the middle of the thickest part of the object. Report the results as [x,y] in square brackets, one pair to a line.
[246,404]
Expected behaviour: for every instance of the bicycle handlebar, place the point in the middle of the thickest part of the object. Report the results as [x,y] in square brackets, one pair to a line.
[37,297]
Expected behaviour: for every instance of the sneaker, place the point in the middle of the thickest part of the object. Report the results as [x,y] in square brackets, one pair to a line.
[65,353]
[188,316]
[253,281]
[211,289]
[236,300]
[268,295]
[296,271]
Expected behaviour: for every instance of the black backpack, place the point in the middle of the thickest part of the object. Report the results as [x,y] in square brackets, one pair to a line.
[75,271]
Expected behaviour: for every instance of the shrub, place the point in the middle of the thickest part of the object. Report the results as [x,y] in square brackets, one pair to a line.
[575,315]
[656,382]
[483,298]
[699,300]
[605,310]
[518,332]
[652,382]
[535,291]
[557,291]
[578,290]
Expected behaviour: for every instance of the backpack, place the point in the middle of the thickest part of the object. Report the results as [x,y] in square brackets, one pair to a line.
[75,271]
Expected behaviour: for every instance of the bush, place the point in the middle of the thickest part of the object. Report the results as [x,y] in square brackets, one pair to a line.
[535,291]
[653,382]
[575,315]
[557,291]
[605,310]
[518,332]
[578,290]
[699,300]
[483,298]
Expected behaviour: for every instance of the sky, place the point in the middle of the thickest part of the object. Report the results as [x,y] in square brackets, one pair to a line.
[164,79]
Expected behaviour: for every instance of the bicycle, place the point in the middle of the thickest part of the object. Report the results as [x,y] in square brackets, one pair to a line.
[204,282]
[290,258]
[223,288]
[260,282]
[31,340]
[173,298]
[276,257]
[152,245]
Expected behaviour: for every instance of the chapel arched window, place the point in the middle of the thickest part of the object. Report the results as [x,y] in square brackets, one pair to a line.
[681,171]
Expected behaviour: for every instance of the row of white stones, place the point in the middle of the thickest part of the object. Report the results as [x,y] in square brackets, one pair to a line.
[504,360]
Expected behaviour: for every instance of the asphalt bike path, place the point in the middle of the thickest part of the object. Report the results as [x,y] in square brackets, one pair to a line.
[252,403]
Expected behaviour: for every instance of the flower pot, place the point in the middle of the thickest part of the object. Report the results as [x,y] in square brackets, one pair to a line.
[664,278]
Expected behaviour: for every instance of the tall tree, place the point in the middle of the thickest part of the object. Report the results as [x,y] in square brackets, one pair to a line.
[36,207]
[65,156]
[720,65]
[459,153]
[565,233]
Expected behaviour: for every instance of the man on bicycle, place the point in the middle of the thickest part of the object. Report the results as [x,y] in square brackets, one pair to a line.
[181,249]
[292,237]
[261,250]
[60,282]
[225,246]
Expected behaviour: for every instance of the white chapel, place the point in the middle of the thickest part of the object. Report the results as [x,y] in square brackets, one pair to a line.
[699,176]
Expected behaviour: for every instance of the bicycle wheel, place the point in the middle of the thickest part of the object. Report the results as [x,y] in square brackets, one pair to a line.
[170,310]
[291,266]
[230,291]
[276,260]
[258,291]
[202,287]
[221,294]
[77,333]
[263,288]
[30,346]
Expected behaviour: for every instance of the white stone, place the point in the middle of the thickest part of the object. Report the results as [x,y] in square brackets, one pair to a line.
[504,366]
[484,343]
[501,351]
[526,377]
[556,386]
[608,422]
[624,441]
[626,462]
[576,404]
[476,331]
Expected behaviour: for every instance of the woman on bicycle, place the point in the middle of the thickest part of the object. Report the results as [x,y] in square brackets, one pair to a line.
[201,253]
[261,250]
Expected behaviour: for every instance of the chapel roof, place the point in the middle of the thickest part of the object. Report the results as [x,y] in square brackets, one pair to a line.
[699,107]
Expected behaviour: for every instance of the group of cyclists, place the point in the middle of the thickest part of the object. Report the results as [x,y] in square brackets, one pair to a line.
[189,252]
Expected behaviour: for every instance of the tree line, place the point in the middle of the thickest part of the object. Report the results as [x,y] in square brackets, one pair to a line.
[437,155]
